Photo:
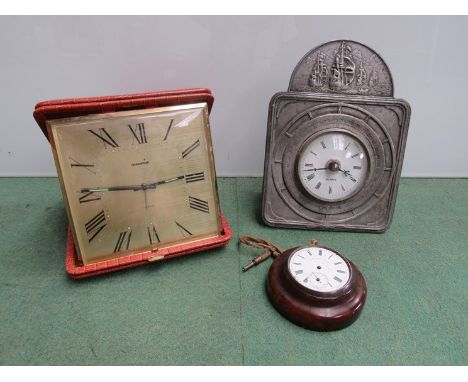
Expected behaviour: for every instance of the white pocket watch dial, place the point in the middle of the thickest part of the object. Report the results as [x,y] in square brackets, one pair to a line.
[319,269]
[333,166]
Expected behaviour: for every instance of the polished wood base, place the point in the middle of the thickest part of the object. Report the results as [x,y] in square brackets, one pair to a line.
[315,310]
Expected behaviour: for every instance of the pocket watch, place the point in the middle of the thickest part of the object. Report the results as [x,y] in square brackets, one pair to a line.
[335,143]
[137,183]
[316,287]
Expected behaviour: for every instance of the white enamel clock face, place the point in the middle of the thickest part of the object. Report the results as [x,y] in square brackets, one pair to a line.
[319,269]
[333,166]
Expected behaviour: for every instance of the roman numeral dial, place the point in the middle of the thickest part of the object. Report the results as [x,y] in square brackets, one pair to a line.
[123,241]
[138,181]
[153,235]
[333,166]
[198,204]
[196,177]
[104,136]
[139,133]
[168,129]
[85,166]
[88,197]
[319,269]
[95,225]
[191,148]
[184,231]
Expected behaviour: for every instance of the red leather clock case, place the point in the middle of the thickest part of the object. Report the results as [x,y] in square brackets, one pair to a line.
[74,107]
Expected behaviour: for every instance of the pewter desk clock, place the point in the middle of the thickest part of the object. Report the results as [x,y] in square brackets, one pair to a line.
[335,143]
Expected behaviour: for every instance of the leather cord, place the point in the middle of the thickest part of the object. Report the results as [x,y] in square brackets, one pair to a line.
[255,242]
[261,244]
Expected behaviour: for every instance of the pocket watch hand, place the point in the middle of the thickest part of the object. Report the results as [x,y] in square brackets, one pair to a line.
[312,273]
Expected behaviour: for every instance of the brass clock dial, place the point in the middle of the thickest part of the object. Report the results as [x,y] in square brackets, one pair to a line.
[136,181]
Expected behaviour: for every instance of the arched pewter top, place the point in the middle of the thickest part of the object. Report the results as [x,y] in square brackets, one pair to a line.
[342,67]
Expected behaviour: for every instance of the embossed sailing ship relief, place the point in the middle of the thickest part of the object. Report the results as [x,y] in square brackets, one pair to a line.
[319,75]
[343,69]
[335,143]
[362,79]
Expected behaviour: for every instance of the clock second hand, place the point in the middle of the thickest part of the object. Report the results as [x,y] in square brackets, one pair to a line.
[135,187]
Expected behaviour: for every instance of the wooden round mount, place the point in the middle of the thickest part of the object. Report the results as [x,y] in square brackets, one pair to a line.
[321,311]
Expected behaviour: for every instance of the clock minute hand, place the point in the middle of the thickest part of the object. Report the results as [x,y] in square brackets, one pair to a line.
[133,187]
[146,186]
[165,181]
[169,180]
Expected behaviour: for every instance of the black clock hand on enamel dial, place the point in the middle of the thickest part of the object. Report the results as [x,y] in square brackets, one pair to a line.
[134,187]
[333,166]
[348,173]
[316,169]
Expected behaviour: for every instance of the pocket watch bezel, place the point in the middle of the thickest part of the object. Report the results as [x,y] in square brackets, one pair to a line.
[324,296]
[317,311]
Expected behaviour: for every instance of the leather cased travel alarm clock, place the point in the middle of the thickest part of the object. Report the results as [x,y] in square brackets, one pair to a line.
[335,143]
[138,177]
[316,287]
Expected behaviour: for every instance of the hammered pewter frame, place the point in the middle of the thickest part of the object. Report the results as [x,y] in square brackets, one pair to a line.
[345,87]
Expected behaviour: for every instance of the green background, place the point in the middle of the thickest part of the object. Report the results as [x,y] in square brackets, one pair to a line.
[201,310]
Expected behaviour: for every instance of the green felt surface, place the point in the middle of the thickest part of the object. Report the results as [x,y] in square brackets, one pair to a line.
[202,310]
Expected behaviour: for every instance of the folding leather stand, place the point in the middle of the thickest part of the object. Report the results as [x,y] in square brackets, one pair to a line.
[74,107]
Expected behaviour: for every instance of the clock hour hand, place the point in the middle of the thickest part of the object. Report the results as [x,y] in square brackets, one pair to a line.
[332,165]
[134,187]
[316,169]
[348,173]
